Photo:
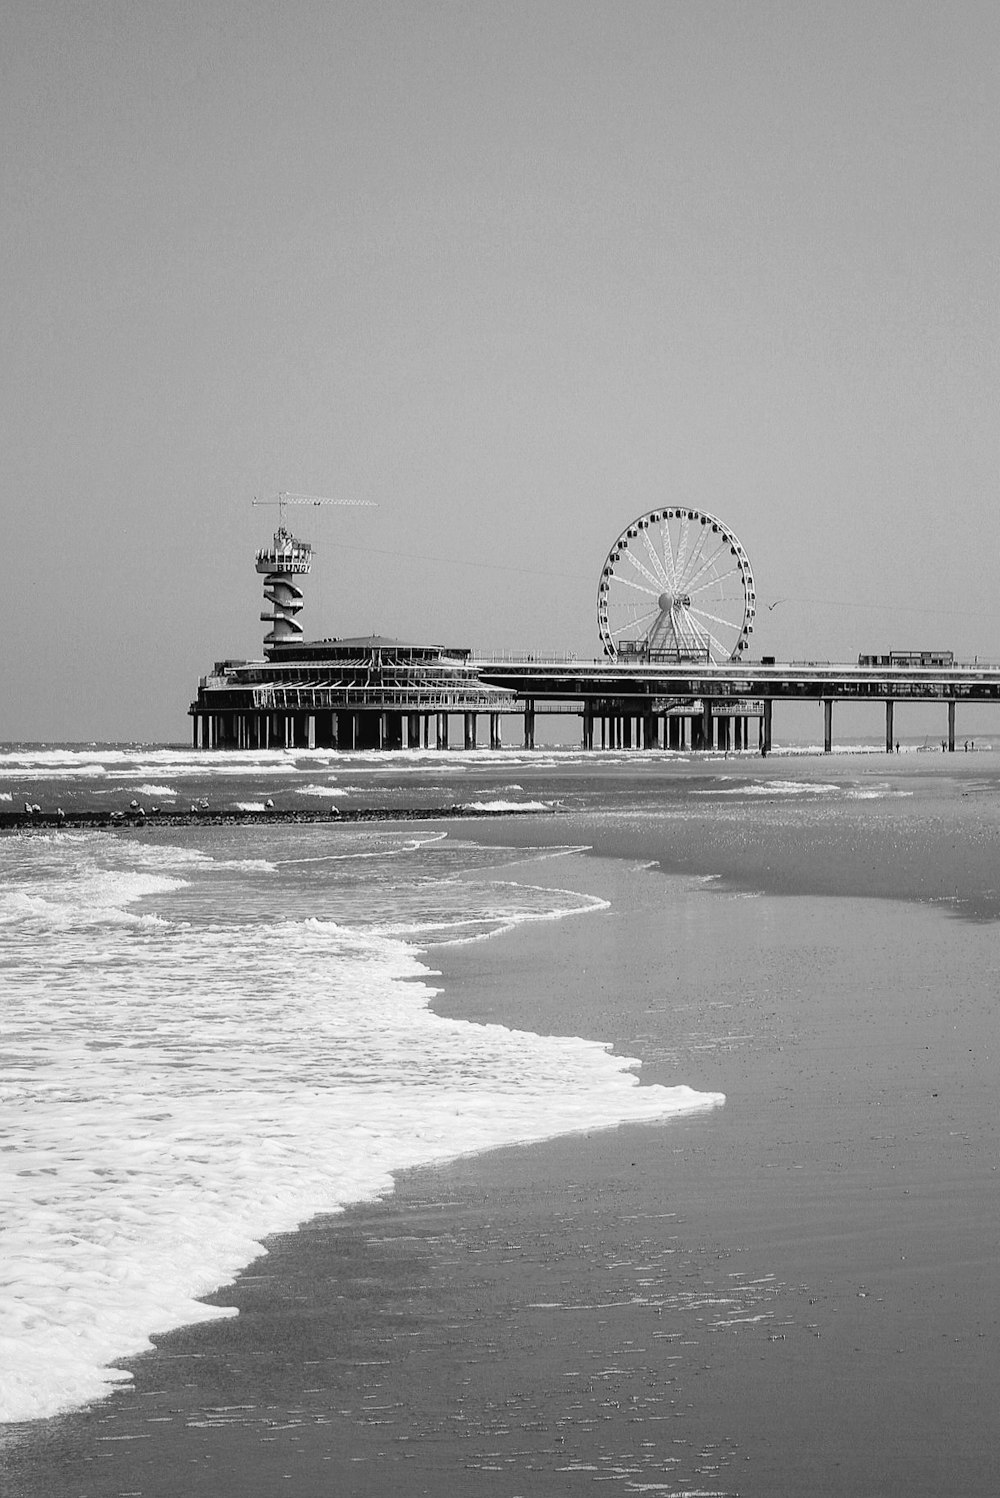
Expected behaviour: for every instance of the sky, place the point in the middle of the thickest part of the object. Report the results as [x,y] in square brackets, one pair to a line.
[515,272]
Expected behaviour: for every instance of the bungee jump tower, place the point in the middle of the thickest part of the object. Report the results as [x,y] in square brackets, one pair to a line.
[284,560]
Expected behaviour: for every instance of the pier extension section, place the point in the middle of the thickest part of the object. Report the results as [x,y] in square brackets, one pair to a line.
[379,693]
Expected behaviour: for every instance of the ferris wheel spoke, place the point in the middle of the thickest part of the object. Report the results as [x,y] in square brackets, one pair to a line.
[667,555]
[629,582]
[682,542]
[634,619]
[704,614]
[635,623]
[641,618]
[690,560]
[696,563]
[707,636]
[654,558]
[640,566]
[706,564]
[691,624]
[713,580]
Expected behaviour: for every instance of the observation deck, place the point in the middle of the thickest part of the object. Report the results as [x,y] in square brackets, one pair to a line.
[286,555]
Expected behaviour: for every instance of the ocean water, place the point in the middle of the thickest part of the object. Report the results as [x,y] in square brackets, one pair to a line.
[211,1036]
[208,1034]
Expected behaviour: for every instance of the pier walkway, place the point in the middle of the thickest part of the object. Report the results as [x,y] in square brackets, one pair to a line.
[387,695]
[621,690]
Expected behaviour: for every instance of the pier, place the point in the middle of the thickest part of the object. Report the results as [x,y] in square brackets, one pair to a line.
[382,694]
[676,610]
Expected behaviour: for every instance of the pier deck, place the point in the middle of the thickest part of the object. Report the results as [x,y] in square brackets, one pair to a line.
[405,697]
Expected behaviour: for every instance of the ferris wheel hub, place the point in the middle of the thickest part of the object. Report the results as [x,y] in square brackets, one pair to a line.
[668,601]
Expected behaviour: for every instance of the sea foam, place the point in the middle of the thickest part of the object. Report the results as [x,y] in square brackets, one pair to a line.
[203,1051]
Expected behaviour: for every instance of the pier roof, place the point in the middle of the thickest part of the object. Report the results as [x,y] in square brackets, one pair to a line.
[363,646]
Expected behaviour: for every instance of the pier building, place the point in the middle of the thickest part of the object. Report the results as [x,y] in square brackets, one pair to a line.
[371,693]
[676,608]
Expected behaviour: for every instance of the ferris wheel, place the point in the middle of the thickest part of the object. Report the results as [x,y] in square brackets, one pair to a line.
[677,585]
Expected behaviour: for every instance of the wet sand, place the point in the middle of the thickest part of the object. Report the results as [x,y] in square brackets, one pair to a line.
[793,1294]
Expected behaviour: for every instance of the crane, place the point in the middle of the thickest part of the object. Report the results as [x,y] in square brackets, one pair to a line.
[285,498]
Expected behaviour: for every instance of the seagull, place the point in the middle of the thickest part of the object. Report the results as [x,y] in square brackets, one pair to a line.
[772,606]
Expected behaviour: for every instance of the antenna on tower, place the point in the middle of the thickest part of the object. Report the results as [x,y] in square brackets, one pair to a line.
[285,497]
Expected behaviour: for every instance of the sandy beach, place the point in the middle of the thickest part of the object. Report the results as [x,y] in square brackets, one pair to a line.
[793,1293]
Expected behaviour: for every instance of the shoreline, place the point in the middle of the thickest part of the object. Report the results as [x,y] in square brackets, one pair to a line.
[788,1294]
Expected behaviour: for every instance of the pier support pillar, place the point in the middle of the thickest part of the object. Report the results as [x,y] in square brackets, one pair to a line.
[529,725]
[706,723]
[889,706]
[470,730]
[765,726]
[827,725]
[311,731]
[495,740]
[441,730]
[346,730]
[951,726]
